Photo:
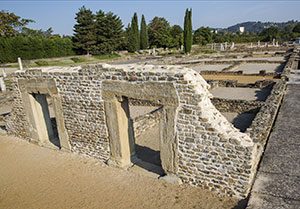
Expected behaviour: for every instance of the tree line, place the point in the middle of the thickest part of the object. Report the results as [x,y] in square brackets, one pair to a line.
[17,40]
[102,33]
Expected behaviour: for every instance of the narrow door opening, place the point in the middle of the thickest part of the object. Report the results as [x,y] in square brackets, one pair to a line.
[145,118]
[45,119]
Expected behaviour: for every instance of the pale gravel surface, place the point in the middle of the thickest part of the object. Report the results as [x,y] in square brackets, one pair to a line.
[254,68]
[200,67]
[35,177]
[240,93]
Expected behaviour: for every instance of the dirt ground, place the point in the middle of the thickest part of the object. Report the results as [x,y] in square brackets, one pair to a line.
[35,177]
[239,78]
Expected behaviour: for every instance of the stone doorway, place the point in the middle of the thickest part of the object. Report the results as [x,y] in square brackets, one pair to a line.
[44,113]
[123,148]
[44,119]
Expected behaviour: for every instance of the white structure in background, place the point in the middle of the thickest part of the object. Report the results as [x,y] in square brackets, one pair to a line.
[222,47]
[242,29]
[2,84]
[232,45]
[258,43]
[20,63]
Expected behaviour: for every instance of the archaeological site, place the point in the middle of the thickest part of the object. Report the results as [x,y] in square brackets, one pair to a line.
[203,122]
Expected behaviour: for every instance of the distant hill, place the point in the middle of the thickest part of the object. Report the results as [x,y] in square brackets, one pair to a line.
[257,27]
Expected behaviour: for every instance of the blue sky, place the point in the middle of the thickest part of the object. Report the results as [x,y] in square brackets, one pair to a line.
[60,14]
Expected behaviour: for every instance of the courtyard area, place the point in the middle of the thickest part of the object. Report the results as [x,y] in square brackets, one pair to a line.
[36,177]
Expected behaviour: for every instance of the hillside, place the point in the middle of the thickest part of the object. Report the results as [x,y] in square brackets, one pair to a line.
[257,27]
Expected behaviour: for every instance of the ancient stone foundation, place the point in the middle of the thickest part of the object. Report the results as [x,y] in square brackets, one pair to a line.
[197,144]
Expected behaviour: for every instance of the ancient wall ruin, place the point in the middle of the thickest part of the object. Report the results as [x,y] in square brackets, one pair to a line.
[198,145]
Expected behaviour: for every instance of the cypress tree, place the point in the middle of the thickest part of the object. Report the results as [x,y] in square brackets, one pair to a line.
[133,39]
[84,36]
[187,33]
[144,34]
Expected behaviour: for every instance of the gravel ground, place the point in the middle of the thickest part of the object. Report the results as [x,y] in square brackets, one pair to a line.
[241,93]
[35,177]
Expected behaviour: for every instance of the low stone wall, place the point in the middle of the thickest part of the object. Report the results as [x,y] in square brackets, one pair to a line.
[234,83]
[238,106]
[263,122]
[145,122]
[240,72]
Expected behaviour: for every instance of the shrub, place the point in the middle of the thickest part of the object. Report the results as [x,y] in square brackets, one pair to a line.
[42,63]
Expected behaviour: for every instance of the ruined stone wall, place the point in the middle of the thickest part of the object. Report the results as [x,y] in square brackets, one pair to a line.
[210,152]
[238,106]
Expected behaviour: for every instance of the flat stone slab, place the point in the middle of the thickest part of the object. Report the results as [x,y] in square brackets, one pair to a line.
[277,184]
[289,165]
[262,201]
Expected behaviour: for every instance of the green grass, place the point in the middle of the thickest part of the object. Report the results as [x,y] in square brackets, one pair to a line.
[106,56]
[64,61]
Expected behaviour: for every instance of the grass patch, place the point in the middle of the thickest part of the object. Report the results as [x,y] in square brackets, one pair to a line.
[41,63]
[106,56]
[78,59]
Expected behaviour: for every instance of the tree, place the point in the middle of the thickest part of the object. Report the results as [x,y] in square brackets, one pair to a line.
[84,36]
[144,34]
[133,38]
[109,33]
[159,32]
[176,33]
[187,32]
[202,36]
[11,24]
[270,33]
[296,29]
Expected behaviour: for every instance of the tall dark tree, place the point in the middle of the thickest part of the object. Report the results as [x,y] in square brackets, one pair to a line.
[134,37]
[187,33]
[144,34]
[109,33]
[84,31]
[159,32]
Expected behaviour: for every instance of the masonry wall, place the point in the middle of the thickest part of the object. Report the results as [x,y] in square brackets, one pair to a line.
[211,153]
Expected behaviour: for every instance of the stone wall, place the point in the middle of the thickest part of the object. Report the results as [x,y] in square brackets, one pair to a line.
[145,122]
[208,151]
[238,106]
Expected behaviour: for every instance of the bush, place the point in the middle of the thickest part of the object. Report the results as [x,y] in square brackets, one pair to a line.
[78,59]
[42,63]
[33,47]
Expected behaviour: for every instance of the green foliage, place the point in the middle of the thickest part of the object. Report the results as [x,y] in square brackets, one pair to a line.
[34,47]
[107,56]
[159,33]
[270,33]
[109,33]
[177,36]
[78,59]
[84,36]
[11,24]
[296,29]
[42,63]
[202,36]
[144,34]
[133,37]
[187,31]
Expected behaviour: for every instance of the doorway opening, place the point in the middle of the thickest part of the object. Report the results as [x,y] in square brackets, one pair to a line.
[145,117]
[45,119]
